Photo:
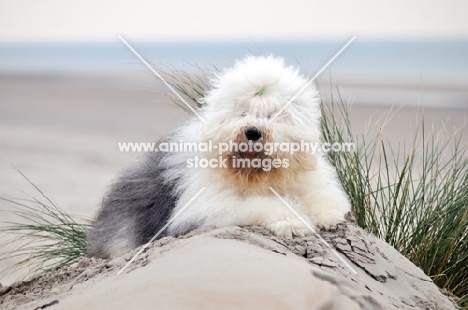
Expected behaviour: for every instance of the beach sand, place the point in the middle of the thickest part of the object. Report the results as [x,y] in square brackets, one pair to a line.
[62,131]
[239,268]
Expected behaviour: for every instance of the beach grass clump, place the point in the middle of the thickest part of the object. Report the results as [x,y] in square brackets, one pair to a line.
[44,236]
[414,196]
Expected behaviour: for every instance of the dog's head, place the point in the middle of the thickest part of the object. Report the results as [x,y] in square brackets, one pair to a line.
[247,107]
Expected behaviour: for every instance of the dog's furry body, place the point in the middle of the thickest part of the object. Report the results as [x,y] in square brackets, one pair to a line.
[148,193]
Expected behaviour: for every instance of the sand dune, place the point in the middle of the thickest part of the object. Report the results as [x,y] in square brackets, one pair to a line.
[240,268]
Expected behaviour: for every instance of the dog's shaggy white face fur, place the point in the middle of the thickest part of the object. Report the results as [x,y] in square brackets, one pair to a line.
[245,97]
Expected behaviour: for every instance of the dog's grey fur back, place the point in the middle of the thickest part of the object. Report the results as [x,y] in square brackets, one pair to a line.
[137,206]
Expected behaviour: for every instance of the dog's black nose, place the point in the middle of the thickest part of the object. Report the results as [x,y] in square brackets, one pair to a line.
[253,133]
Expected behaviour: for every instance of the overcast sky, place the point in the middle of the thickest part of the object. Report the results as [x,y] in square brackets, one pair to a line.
[243,20]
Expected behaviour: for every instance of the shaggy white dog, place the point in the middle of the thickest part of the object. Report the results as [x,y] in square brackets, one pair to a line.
[240,109]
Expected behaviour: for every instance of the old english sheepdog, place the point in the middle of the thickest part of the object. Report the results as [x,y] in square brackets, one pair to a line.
[240,108]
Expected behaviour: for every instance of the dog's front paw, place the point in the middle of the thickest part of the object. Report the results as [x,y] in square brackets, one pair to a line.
[328,221]
[288,229]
